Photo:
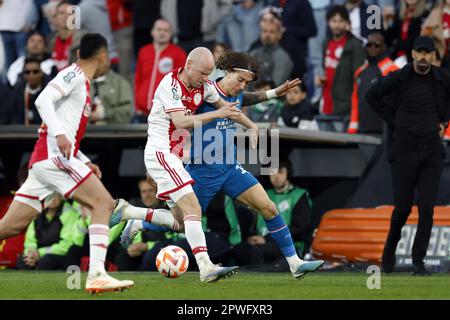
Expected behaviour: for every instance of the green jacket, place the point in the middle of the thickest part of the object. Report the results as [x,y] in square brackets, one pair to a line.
[352,58]
[116,95]
[68,218]
[294,206]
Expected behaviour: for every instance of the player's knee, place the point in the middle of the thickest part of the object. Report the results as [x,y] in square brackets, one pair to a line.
[269,210]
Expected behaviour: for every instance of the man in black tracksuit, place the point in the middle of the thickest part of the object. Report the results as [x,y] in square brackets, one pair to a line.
[415,103]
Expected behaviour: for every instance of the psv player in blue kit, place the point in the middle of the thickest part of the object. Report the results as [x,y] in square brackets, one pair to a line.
[219,169]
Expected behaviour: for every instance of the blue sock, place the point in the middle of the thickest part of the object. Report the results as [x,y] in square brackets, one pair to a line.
[281,234]
[153,227]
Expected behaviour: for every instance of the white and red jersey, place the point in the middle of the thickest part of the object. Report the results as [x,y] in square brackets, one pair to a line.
[72,112]
[170,96]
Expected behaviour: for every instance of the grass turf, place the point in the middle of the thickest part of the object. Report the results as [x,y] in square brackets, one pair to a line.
[253,286]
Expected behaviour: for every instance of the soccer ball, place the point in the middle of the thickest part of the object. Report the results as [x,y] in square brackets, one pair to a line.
[172,261]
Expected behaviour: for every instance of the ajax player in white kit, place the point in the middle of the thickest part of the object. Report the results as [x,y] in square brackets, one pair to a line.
[177,97]
[58,166]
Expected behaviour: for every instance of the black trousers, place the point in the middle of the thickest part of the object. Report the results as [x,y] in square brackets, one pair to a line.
[47,262]
[415,166]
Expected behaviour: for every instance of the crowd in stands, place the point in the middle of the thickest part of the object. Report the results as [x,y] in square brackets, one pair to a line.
[326,43]
[329,44]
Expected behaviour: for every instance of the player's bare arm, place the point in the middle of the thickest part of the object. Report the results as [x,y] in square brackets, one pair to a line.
[183,121]
[252,98]
[249,124]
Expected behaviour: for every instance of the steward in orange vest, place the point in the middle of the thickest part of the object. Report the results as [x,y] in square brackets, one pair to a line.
[363,118]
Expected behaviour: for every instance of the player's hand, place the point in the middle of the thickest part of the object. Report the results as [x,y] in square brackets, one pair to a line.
[64,145]
[287,86]
[253,137]
[137,249]
[230,111]
[95,168]
[254,240]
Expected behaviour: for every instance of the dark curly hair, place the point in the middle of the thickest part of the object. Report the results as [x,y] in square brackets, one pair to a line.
[230,60]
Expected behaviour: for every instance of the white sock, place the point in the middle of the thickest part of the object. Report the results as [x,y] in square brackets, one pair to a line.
[98,242]
[159,217]
[163,218]
[132,212]
[294,262]
[196,239]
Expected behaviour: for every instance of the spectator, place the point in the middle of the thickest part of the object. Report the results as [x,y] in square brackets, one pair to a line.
[121,18]
[363,118]
[49,237]
[43,25]
[186,20]
[6,105]
[296,107]
[95,18]
[405,28]
[358,18]
[15,23]
[343,54]
[145,13]
[147,196]
[218,49]
[64,43]
[195,22]
[294,205]
[298,26]
[266,111]
[213,12]
[241,28]
[36,48]
[276,63]
[25,93]
[112,99]
[437,25]
[154,62]
[315,48]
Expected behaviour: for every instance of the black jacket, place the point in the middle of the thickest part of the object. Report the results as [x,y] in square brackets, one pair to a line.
[385,95]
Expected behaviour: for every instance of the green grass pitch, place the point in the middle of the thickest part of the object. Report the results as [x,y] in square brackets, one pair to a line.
[244,285]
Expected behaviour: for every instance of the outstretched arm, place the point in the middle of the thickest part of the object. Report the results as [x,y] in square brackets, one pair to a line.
[251,98]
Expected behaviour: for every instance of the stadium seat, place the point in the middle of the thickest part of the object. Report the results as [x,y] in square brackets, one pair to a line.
[358,235]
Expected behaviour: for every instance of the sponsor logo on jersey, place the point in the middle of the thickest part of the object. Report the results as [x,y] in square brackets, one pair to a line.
[68,77]
[175,94]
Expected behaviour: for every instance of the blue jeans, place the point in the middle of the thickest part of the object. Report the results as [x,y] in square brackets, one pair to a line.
[14,44]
